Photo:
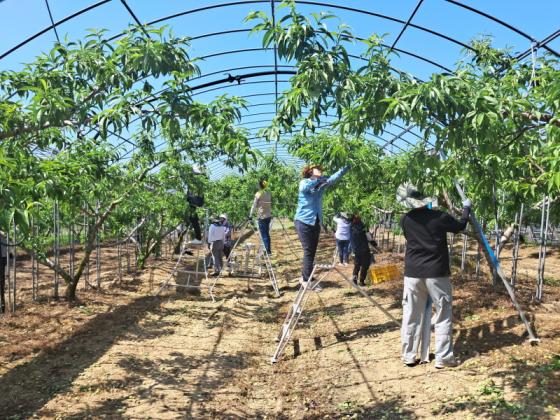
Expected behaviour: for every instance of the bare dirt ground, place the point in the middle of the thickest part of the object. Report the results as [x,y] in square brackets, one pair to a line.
[122,352]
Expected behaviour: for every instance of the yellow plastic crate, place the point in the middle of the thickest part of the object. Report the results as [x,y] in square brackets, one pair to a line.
[381,273]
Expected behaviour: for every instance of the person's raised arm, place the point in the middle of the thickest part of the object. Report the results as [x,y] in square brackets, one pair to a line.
[455,226]
[336,176]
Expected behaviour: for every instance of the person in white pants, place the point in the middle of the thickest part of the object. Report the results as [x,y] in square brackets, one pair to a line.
[216,239]
[426,275]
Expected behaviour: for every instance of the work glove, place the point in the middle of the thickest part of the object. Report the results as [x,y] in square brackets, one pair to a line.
[467,203]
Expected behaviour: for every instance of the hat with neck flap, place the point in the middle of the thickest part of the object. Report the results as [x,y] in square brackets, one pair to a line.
[409,196]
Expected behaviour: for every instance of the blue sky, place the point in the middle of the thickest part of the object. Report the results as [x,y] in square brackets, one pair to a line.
[20,19]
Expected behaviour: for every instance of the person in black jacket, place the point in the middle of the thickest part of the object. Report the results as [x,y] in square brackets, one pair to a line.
[426,274]
[362,254]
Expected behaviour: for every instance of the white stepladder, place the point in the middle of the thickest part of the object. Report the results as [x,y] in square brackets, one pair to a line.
[263,255]
[250,259]
[200,268]
[296,309]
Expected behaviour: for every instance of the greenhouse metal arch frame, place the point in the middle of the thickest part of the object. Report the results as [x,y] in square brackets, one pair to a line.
[406,23]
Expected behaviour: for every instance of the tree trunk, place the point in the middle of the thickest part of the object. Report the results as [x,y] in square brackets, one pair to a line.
[72,281]
[70,292]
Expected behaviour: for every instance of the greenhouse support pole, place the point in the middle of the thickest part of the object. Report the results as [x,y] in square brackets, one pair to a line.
[86,233]
[71,236]
[55,250]
[14,277]
[33,272]
[7,279]
[496,268]
[478,256]
[97,248]
[542,249]
[388,238]
[127,249]
[451,245]
[464,253]
[119,257]
[515,255]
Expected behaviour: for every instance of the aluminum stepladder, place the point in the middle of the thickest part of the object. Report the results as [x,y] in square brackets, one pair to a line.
[262,249]
[267,262]
[296,309]
[196,272]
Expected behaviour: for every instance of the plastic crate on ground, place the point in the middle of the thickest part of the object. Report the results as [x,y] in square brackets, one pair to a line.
[381,273]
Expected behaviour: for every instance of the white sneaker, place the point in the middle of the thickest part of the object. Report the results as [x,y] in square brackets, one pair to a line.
[195,242]
[317,288]
[450,363]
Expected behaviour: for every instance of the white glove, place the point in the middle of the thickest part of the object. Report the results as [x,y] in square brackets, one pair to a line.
[467,203]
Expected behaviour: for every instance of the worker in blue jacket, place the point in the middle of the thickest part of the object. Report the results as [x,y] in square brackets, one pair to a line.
[309,213]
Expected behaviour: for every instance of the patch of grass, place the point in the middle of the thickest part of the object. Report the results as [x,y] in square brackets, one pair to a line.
[85,310]
[551,282]
[553,366]
[495,397]
[183,310]
[348,407]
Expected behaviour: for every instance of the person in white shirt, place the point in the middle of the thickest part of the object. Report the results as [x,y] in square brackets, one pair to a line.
[342,236]
[263,203]
[216,239]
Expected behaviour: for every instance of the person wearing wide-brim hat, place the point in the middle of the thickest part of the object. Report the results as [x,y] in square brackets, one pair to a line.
[216,239]
[426,274]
